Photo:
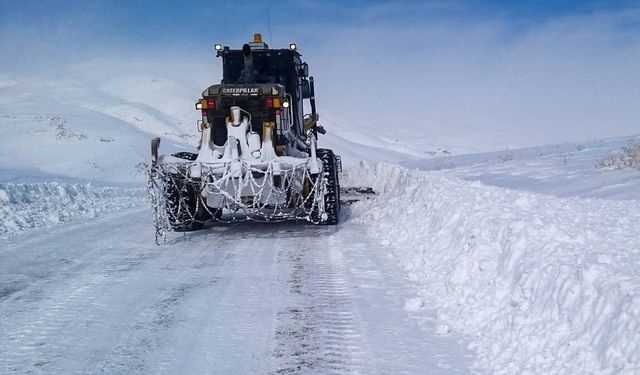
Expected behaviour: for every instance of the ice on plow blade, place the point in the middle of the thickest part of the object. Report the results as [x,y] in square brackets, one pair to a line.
[189,195]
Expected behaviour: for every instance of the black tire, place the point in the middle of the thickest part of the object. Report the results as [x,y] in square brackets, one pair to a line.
[332,194]
[185,209]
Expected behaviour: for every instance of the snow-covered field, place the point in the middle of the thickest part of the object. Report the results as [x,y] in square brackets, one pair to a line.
[564,170]
[512,261]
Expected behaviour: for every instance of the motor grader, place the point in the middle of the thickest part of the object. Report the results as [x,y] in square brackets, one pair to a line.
[257,158]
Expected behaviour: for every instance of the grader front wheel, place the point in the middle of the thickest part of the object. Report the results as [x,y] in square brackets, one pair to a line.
[184,206]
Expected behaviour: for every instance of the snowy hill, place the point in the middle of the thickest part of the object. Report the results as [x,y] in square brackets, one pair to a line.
[71,128]
[564,170]
[84,129]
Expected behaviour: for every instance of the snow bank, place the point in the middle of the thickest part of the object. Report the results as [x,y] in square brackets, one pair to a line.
[627,157]
[25,206]
[538,284]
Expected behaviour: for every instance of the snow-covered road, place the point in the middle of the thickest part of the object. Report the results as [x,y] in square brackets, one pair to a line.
[100,297]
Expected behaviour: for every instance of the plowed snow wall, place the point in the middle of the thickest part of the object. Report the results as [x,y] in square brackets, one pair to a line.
[538,284]
[25,206]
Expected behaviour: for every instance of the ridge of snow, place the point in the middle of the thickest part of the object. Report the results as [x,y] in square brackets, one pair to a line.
[27,206]
[564,170]
[539,284]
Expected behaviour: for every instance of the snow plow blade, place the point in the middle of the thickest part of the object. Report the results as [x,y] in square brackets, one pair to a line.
[186,195]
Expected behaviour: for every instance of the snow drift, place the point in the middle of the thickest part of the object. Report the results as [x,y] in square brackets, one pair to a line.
[538,284]
[25,206]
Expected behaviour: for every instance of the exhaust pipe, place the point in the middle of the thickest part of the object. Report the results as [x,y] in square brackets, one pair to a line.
[248,64]
[235,115]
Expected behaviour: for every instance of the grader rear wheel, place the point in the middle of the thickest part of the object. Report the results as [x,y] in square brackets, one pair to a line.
[331,214]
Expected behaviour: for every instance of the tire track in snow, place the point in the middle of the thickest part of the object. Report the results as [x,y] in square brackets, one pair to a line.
[344,346]
[225,327]
[319,333]
[145,332]
[236,299]
[47,327]
[29,338]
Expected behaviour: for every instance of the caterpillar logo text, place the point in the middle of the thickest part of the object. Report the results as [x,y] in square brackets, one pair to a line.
[240,91]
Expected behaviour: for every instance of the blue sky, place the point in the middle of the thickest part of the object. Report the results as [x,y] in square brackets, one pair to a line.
[112,23]
[545,71]
[66,28]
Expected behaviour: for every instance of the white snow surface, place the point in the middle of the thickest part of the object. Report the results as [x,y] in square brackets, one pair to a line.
[538,284]
[33,205]
[563,170]
[531,254]
[99,297]
[77,128]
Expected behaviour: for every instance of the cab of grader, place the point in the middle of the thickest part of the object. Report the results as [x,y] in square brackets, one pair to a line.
[257,158]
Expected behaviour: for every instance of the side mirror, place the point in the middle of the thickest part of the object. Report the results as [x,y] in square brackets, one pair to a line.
[303,70]
[306,89]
